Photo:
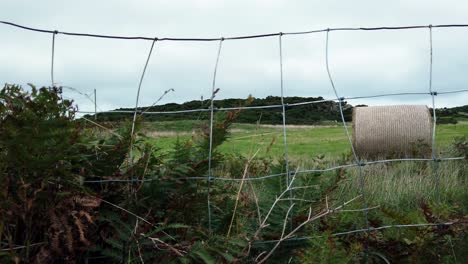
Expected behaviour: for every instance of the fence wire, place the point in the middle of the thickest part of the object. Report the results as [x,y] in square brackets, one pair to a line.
[356,158]
[230,38]
[361,164]
[279,106]
[52,60]
[340,100]
[285,136]
[210,153]
[434,120]
[132,132]
[360,231]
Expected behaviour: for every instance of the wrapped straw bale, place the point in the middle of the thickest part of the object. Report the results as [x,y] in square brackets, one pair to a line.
[396,131]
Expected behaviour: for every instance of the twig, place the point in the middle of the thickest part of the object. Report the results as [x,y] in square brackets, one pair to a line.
[304,187]
[157,101]
[309,219]
[21,247]
[81,93]
[256,203]
[144,171]
[453,251]
[263,224]
[286,219]
[326,201]
[125,210]
[297,199]
[393,226]
[138,243]
[250,182]
[256,259]
[173,249]
[246,170]
[360,210]
[103,127]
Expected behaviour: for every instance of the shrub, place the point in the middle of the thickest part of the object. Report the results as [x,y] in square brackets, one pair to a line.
[42,204]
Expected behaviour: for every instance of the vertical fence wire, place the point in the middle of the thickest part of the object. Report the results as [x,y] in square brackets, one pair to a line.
[52,59]
[434,121]
[95,105]
[136,110]
[356,158]
[210,152]
[285,140]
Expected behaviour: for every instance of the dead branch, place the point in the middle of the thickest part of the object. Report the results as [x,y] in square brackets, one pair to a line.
[310,219]
[246,169]
[157,241]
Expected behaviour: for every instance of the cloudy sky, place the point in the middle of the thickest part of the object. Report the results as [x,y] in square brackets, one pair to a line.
[362,63]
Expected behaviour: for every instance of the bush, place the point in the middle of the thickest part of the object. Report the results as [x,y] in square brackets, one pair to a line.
[43,205]
[51,211]
[447,120]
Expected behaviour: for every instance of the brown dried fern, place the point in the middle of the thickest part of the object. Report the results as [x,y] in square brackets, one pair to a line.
[69,229]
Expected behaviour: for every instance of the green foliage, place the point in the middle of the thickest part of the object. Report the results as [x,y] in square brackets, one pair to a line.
[327,249]
[50,212]
[447,120]
[451,115]
[47,156]
[41,161]
[32,125]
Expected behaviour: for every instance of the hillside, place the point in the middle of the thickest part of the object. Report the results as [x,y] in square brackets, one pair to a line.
[308,114]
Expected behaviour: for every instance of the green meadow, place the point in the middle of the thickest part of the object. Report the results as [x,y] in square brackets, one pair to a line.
[303,141]
[397,185]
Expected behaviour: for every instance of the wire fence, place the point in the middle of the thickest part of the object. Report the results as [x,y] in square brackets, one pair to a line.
[435,159]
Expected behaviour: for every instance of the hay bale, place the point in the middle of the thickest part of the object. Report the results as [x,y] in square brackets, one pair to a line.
[396,131]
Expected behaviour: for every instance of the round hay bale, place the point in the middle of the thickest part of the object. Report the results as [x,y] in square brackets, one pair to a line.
[396,131]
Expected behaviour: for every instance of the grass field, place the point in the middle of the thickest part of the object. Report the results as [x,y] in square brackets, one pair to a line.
[303,141]
[400,184]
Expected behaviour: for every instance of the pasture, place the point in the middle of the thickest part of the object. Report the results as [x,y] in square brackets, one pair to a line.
[401,185]
[304,142]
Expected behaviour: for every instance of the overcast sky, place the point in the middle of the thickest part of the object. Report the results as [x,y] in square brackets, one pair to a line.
[362,63]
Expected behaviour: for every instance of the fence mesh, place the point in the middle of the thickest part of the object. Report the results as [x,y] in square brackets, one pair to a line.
[288,175]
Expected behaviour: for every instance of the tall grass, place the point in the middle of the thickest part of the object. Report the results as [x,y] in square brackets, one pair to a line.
[404,185]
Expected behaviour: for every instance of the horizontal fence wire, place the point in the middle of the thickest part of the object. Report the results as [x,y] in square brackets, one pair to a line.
[294,239]
[267,106]
[230,38]
[365,163]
